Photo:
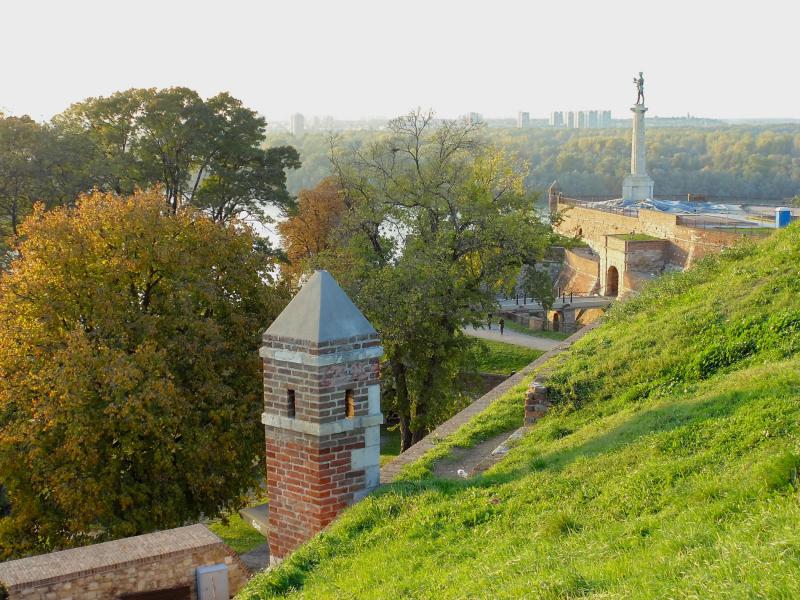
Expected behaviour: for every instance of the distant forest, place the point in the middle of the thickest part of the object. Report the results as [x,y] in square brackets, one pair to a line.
[745,162]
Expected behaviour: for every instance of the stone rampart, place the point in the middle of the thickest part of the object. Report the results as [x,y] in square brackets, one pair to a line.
[687,244]
[580,272]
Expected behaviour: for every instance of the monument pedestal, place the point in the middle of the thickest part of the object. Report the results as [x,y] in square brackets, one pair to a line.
[636,188]
[638,185]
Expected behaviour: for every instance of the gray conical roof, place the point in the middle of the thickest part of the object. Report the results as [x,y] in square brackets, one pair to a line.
[320,312]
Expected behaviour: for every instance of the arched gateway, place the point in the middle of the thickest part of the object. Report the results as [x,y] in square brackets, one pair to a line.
[612,282]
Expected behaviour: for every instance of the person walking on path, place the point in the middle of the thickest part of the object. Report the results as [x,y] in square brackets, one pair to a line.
[502,324]
[489,320]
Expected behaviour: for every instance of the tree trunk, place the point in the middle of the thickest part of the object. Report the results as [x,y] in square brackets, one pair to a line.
[403,405]
[419,433]
[406,438]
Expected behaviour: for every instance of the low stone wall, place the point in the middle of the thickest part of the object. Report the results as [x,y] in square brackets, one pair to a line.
[536,402]
[156,561]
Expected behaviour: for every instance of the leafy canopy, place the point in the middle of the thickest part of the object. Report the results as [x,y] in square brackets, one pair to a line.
[436,222]
[129,374]
[310,228]
[202,152]
[36,164]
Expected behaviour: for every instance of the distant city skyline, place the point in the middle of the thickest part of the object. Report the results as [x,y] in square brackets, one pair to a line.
[356,59]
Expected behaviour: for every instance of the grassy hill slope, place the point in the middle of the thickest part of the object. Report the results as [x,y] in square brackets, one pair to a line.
[668,468]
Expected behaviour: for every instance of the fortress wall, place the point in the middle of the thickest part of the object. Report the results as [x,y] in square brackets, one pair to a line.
[692,244]
[648,256]
[160,561]
[593,225]
[686,244]
[580,273]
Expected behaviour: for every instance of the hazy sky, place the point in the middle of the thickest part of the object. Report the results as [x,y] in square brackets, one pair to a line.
[354,59]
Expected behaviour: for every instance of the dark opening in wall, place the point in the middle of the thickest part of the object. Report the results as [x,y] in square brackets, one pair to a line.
[290,407]
[349,404]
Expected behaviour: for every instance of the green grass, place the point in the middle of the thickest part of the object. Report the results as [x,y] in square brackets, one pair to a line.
[668,468]
[237,533]
[390,443]
[747,230]
[501,358]
[635,237]
[550,335]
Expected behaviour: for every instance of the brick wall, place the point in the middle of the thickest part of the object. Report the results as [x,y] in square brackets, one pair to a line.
[649,256]
[311,479]
[580,272]
[536,402]
[322,459]
[106,570]
[687,244]
[319,390]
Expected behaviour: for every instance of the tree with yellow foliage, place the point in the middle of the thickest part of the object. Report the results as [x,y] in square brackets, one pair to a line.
[130,387]
[308,231]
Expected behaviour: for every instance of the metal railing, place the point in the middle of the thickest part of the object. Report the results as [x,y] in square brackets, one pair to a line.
[594,204]
[724,222]
[746,200]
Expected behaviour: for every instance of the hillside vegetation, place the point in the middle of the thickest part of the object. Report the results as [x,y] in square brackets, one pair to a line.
[668,467]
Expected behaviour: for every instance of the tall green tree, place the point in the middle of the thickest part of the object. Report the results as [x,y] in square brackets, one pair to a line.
[436,223]
[203,152]
[36,164]
[130,386]
[21,142]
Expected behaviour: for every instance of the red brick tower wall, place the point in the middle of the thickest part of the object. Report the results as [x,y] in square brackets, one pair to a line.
[325,456]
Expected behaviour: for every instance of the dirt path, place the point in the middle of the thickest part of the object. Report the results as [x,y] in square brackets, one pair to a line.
[466,459]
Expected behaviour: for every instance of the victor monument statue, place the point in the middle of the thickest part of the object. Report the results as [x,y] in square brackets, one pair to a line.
[639,81]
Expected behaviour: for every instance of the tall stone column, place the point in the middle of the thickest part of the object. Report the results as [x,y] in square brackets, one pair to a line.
[638,185]
[321,411]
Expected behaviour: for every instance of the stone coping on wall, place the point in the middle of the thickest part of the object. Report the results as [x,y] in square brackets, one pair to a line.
[391,470]
[66,565]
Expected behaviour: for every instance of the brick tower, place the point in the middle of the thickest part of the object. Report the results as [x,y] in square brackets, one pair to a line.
[321,411]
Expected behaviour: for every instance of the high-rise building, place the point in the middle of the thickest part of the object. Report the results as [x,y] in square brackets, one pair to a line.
[297,124]
[523,120]
[588,119]
[474,118]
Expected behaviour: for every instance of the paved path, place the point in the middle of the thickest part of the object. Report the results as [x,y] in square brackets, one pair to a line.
[513,337]
[257,559]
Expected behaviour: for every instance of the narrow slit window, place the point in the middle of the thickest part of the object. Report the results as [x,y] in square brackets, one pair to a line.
[349,404]
[290,407]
